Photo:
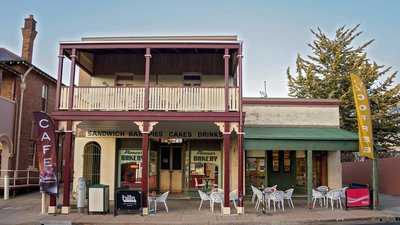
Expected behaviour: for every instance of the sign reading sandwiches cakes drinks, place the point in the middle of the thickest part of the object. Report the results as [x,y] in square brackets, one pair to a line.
[155,134]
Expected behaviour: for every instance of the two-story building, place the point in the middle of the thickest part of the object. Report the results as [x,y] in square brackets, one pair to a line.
[24,89]
[167,114]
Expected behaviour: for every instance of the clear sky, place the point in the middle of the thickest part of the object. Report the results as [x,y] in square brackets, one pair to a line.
[274,32]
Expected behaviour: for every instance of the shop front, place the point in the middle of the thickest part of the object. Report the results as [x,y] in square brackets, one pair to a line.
[180,160]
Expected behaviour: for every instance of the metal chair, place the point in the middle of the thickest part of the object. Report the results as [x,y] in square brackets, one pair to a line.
[288,196]
[203,197]
[162,199]
[253,197]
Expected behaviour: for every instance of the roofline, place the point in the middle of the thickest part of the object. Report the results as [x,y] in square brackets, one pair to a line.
[9,68]
[290,101]
[35,68]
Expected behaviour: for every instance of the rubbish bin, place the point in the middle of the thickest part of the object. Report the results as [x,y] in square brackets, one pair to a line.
[358,195]
[99,198]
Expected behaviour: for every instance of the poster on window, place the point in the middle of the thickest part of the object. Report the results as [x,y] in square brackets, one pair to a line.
[130,155]
[46,152]
[206,157]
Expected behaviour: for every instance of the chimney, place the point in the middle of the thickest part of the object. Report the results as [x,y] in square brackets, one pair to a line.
[28,37]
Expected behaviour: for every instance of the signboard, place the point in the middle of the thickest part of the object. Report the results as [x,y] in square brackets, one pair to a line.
[176,134]
[357,197]
[46,152]
[129,200]
[205,157]
[130,155]
[363,117]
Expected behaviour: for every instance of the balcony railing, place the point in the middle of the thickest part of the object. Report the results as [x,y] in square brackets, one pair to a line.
[191,99]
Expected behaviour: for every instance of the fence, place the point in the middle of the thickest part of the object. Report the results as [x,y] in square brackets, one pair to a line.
[361,172]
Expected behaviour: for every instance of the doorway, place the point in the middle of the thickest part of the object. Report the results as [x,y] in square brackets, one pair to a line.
[171,172]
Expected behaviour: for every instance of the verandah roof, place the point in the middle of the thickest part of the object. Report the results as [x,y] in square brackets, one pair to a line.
[300,138]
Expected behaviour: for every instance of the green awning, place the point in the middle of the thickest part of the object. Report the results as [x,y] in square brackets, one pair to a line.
[300,138]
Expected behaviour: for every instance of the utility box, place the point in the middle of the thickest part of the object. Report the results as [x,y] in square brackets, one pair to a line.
[99,198]
[81,199]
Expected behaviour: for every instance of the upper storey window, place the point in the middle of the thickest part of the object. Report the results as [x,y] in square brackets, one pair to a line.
[191,79]
[45,90]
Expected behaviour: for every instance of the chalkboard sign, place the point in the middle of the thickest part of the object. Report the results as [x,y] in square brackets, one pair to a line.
[129,200]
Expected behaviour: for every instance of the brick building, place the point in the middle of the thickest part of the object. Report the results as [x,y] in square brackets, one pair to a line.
[24,88]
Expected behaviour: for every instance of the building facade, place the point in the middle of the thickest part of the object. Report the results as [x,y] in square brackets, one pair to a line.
[167,114]
[24,89]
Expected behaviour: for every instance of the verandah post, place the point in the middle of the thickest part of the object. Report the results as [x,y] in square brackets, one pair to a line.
[309,178]
[147,79]
[227,146]
[67,168]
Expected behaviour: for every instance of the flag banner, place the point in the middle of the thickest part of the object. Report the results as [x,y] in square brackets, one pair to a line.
[46,152]
[366,146]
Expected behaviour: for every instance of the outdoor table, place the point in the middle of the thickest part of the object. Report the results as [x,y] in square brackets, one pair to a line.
[152,199]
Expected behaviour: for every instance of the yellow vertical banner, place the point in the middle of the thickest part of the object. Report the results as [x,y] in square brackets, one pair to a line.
[366,146]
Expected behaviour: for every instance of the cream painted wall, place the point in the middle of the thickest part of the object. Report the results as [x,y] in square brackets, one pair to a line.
[334,170]
[107,161]
[291,115]
[163,80]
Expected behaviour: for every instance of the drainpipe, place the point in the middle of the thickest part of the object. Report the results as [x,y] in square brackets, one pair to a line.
[22,86]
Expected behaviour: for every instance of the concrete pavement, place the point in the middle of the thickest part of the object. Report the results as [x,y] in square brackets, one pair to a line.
[25,209]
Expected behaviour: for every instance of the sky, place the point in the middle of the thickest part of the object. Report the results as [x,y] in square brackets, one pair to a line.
[273,32]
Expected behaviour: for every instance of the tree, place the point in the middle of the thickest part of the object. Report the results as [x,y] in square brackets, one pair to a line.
[326,73]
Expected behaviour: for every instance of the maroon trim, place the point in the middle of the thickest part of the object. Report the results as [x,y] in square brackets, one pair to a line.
[226,78]
[103,45]
[241,124]
[146,79]
[59,80]
[145,159]
[227,173]
[72,81]
[147,116]
[67,165]
[288,101]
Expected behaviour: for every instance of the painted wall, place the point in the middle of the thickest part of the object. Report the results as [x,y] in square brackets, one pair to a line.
[276,115]
[159,80]
[361,172]
[107,161]
[334,170]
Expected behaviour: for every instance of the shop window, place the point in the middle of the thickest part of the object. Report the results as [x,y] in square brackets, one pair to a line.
[192,79]
[300,168]
[91,163]
[275,161]
[204,167]
[286,162]
[165,159]
[130,166]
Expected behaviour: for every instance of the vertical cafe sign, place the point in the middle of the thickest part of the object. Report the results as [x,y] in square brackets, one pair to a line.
[363,117]
[46,152]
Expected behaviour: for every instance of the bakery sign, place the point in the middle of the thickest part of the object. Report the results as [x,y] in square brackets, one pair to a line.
[130,155]
[205,157]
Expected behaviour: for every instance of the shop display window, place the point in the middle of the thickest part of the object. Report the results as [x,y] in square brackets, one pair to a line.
[130,167]
[286,162]
[275,162]
[204,167]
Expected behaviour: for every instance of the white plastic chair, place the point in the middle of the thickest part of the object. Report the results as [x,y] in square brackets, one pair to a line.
[217,190]
[162,199]
[316,195]
[259,198]
[277,197]
[253,197]
[218,198]
[335,196]
[270,189]
[197,185]
[203,197]
[288,196]
[324,190]
[233,196]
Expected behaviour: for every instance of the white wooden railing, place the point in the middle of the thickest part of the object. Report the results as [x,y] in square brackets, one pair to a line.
[160,98]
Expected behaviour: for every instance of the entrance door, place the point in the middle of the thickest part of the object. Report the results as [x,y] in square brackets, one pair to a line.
[282,169]
[171,169]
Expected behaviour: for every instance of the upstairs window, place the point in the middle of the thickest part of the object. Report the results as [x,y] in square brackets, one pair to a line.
[192,79]
[43,101]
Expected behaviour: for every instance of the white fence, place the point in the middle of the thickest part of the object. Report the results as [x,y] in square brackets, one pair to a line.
[160,98]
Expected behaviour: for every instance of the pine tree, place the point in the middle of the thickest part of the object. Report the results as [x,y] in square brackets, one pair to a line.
[326,73]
